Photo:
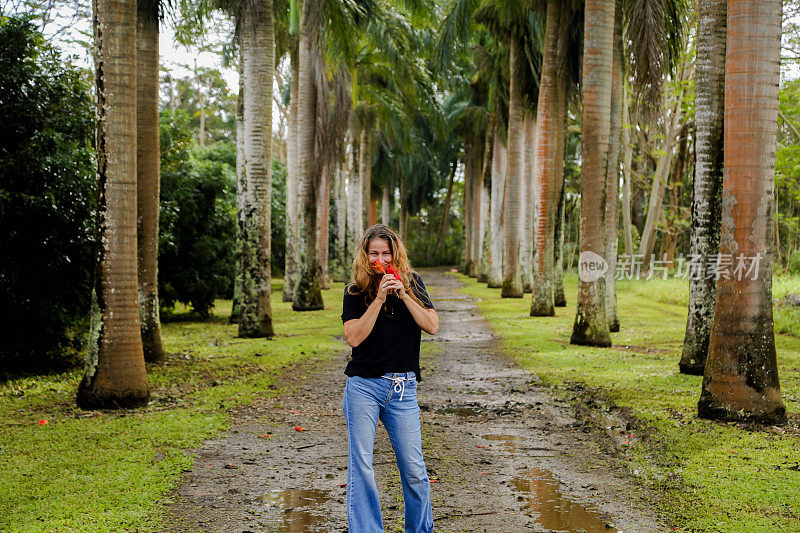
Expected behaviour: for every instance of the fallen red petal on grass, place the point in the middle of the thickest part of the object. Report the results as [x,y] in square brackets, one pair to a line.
[264,436]
[434,480]
[298,428]
[42,422]
[342,485]
[480,446]
[625,442]
[295,411]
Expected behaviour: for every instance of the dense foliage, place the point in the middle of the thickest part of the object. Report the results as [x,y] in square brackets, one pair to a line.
[46,201]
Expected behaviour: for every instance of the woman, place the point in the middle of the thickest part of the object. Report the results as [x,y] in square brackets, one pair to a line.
[383,317]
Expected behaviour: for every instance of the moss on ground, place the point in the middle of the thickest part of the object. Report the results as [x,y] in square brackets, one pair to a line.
[714,476]
[110,470]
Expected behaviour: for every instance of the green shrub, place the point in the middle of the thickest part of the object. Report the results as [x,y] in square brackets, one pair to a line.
[47,198]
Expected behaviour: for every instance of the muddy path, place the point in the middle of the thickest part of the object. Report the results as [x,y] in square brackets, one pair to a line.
[502,453]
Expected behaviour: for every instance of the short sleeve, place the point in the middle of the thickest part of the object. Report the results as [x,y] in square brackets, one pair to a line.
[351,306]
[422,292]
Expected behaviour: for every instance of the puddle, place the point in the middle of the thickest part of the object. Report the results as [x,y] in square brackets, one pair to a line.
[470,409]
[552,510]
[301,508]
[506,441]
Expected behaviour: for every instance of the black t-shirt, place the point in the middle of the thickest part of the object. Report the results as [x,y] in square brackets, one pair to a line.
[393,343]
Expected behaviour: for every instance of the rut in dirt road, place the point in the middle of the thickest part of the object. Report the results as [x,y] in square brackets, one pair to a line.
[501,453]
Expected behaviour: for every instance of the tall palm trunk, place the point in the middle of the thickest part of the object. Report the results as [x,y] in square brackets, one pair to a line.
[257,41]
[707,190]
[612,175]
[148,176]
[236,307]
[548,153]
[355,223]
[476,187]
[385,205]
[292,170]
[591,327]
[559,299]
[513,192]
[484,235]
[741,375]
[308,292]
[627,225]
[340,246]
[115,373]
[365,173]
[498,195]
[469,206]
[323,225]
[528,204]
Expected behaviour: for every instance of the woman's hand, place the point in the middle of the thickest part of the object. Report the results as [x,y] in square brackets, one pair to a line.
[387,284]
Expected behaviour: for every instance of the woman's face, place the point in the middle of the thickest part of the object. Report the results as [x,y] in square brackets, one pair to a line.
[378,250]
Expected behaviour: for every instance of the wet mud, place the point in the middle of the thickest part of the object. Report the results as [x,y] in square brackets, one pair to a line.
[502,454]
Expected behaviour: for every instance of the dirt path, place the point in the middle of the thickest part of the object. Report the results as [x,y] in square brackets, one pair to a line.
[505,456]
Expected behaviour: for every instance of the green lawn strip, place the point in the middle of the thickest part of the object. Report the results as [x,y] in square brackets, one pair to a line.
[109,471]
[714,476]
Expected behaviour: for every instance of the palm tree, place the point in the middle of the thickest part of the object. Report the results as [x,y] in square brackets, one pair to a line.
[257,42]
[115,373]
[148,175]
[741,374]
[612,175]
[292,236]
[308,290]
[496,227]
[548,161]
[514,181]
[591,326]
[707,200]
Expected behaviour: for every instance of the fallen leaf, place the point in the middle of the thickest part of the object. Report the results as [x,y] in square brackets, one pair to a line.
[231,466]
[298,428]
[342,485]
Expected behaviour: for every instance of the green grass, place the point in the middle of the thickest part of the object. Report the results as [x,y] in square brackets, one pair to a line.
[111,470]
[714,476]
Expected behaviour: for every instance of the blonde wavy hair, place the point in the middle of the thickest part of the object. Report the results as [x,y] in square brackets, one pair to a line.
[366,280]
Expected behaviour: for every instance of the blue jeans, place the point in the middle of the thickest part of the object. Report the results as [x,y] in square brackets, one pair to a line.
[365,401]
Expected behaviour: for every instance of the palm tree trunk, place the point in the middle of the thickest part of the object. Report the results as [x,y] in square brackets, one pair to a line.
[469,207]
[308,291]
[513,191]
[476,187]
[548,153]
[741,376]
[257,41]
[148,176]
[236,308]
[484,235]
[591,325]
[496,229]
[201,106]
[365,172]
[559,299]
[707,190]
[627,225]
[528,204]
[355,223]
[612,174]
[385,205]
[292,171]
[115,374]
[323,216]
[340,272]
